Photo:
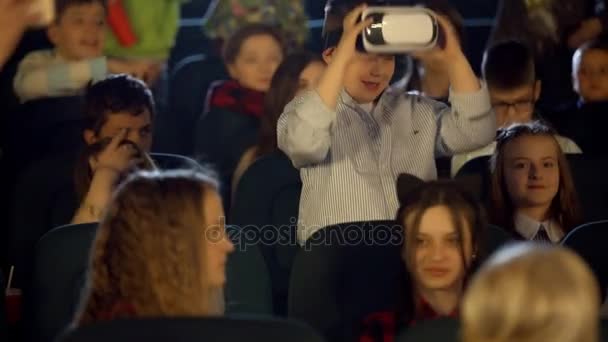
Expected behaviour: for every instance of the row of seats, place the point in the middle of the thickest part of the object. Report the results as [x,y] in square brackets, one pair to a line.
[44,197]
[332,286]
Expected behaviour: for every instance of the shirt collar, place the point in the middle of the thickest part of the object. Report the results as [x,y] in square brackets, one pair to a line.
[527,227]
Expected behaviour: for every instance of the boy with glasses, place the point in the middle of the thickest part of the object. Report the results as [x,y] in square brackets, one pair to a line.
[509,71]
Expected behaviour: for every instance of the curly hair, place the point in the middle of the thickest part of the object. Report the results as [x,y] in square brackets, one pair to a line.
[148,256]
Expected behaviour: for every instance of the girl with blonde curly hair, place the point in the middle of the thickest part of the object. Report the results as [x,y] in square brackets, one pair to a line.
[160,250]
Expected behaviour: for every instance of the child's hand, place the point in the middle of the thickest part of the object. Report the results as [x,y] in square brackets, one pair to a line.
[447,54]
[459,71]
[116,157]
[351,30]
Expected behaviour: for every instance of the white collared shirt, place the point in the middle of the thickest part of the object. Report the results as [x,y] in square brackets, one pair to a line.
[528,227]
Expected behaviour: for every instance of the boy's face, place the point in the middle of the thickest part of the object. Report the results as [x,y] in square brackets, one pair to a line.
[590,75]
[79,32]
[367,75]
[139,129]
[515,105]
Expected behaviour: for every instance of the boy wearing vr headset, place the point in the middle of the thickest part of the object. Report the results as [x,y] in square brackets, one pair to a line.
[350,139]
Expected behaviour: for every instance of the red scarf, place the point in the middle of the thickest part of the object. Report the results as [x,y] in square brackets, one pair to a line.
[231,96]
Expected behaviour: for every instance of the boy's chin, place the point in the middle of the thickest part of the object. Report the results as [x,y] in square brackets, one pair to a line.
[365,96]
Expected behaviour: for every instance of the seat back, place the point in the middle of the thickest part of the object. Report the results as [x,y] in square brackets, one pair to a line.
[45,127]
[496,237]
[42,198]
[478,168]
[344,273]
[589,241]
[589,173]
[61,260]
[195,330]
[189,82]
[248,289]
[436,330]
[169,161]
[267,201]
[221,139]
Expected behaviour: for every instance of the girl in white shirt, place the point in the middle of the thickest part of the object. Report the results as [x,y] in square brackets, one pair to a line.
[532,191]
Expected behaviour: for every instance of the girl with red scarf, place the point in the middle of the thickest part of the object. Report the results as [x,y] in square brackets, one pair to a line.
[234,107]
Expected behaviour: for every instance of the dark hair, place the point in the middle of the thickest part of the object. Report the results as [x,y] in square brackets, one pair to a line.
[282,90]
[62,5]
[508,64]
[415,198]
[233,45]
[116,93]
[565,207]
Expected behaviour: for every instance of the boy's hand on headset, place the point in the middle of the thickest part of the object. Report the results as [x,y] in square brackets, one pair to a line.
[352,28]
[448,47]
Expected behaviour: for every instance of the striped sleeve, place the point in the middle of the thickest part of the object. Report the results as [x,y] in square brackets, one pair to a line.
[39,75]
[468,124]
[304,130]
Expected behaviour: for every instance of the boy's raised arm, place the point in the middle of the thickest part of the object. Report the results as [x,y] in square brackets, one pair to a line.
[470,123]
[304,127]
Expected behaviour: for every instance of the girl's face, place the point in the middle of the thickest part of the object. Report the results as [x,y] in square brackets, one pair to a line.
[438,263]
[531,170]
[258,59]
[218,244]
[309,77]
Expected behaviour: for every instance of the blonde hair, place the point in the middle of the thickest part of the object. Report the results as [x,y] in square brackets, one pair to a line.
[148,258]
[531,293]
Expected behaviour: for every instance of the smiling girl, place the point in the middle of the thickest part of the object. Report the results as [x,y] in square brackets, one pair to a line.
[533,193]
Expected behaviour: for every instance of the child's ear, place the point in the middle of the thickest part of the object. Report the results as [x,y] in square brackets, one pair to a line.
[328,54]
[538,86]
[231,71]
[53,33]
[89,137]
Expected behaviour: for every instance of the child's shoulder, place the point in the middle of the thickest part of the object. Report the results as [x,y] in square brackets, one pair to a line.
[39,56]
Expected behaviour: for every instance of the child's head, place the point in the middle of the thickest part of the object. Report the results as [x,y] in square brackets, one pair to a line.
[590,71]
[443,228]
[509,71]
[116,103]
[298,72]
[160,249]
[530,172]
[78,31]
[253,54]
[367,75]
[531,293]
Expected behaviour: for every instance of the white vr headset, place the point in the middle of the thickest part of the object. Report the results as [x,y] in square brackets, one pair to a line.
[400,29]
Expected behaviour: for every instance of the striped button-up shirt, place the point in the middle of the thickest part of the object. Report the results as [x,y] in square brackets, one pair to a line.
[349,159]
